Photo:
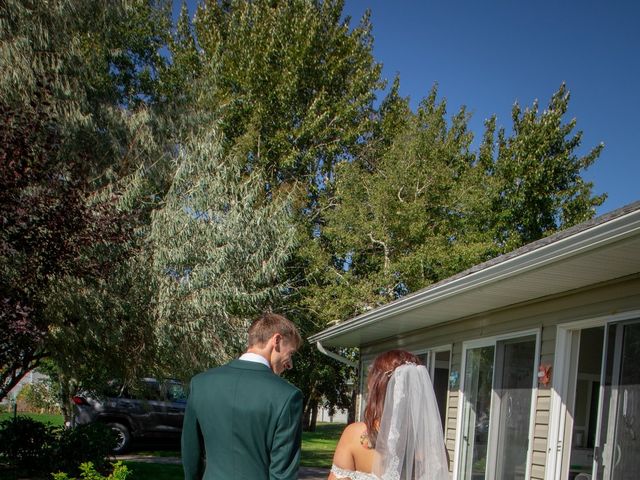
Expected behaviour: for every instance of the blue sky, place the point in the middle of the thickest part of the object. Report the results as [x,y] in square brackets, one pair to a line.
[488,54]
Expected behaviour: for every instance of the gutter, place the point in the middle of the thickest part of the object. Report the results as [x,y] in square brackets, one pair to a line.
[335,356]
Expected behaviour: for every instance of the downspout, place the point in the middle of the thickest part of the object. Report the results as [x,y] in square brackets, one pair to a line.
[335,356]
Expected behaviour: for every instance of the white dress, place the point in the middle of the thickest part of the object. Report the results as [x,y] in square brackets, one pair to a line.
[343,473]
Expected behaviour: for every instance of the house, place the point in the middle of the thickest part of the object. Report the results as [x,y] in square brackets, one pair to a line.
[534,355]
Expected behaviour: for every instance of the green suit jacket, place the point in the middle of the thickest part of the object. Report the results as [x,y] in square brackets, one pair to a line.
[242,422]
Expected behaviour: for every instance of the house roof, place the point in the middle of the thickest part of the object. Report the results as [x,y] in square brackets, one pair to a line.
[599,250]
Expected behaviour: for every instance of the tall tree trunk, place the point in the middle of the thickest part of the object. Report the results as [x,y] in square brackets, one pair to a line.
[351,413]
[314,417]
[306,418]
[67,388]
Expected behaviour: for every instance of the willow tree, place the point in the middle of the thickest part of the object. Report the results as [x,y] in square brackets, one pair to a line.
[302,78]
[219,245]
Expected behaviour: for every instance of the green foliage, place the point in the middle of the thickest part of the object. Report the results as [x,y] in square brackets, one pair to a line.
[74,447]
[423,206]
[295,84]
[536,177]
[39,396]
[218,249]
[155,471]
[26,444]
[88,472]
[30,446]
[65,134]
[91,317]
[294,72]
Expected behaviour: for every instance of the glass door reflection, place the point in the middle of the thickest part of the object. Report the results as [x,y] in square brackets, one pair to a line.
[478,379]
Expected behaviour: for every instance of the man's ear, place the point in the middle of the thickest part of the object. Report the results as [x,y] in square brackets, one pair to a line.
[277,341]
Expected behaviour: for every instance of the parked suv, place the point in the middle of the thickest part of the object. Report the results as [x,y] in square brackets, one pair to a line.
[154,409]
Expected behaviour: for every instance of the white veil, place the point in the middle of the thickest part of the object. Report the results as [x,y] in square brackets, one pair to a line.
[410,445]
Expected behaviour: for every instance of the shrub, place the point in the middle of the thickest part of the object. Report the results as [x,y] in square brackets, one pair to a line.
[26,444]
[88,472]
[31,447]
[91,443]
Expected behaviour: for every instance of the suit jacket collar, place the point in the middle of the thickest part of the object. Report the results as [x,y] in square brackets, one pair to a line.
[246,365]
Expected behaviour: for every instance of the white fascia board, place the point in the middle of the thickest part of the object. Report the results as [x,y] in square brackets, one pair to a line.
[592,238]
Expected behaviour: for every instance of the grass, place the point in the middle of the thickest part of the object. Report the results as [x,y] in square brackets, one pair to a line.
[318,446]
[55,420]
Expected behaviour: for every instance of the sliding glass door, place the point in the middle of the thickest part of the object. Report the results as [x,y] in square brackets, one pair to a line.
[619,439]
[478,377]
[512,391]
[497,401]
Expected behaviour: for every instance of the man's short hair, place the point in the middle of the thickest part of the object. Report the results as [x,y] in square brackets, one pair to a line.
[267,325]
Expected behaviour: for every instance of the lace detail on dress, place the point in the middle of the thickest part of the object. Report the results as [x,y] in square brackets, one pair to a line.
[350,474]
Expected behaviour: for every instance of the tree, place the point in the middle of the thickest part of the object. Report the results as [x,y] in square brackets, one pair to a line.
[218,246]
[399,222]
[65,134]
[296,83]
[296,74]
[421,206]
[536,176]
[47,226]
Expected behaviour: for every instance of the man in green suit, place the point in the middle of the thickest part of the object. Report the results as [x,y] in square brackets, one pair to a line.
[242,420]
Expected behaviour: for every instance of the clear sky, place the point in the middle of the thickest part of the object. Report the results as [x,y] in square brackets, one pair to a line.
[486,54]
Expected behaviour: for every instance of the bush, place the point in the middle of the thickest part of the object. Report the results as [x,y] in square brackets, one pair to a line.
[31,447]
[90,443]
[88,472]
[26,444]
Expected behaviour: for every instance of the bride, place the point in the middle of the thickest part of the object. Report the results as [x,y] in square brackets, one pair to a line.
[401,437]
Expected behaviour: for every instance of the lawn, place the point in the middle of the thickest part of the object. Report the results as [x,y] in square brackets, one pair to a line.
[56,420]
[318,446]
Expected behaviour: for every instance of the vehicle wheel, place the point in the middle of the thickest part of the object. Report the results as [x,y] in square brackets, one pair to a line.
[123,437]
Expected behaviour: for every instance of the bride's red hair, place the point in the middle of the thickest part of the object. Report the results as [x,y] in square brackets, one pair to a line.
[379,375]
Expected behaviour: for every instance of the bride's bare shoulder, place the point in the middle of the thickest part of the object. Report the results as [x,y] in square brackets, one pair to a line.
[353,432]
[348,446]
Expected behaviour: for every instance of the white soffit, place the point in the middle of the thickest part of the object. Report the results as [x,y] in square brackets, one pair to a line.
[596,251]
